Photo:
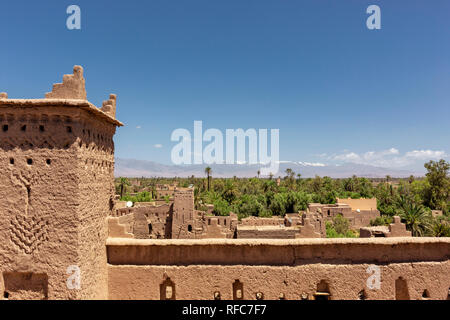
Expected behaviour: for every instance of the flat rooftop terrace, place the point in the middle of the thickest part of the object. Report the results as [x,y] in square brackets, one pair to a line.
[47,102]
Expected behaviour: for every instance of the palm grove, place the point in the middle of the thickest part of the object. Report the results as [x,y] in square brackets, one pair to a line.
[412,198]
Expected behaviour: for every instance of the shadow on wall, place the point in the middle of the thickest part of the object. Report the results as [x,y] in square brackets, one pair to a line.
[401,289]
[167,290]
[323,291]
[238,290]
[25,286]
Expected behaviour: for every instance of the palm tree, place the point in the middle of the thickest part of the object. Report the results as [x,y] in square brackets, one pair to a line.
[417,220]
[290,177]
[259,172]
[299,181]
[208,173]
[153,191]
[270,176]
[197,199]
[349,185]
[123,182]
[289,173]
[229,191]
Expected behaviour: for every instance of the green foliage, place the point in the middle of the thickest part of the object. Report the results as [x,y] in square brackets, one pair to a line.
[338,228]
[382,221]
[230,192]
[139,197]
[249,205]
[416,218]
[278,204]
[166,198]
[208,171]
[437,193]
[296,201]
[123,182]
[441,227]
[340,224]
[221,207]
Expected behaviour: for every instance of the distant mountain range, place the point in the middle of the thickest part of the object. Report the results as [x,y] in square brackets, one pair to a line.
[145,168]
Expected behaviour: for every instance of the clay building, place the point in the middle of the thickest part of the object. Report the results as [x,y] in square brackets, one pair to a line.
[293,225]
[165,190]
[359,212]
[56,177]
[60,237]
[395,229]
[135,182]
[177,220]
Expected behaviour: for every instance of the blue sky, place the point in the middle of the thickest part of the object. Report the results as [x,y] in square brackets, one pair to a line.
[337,91]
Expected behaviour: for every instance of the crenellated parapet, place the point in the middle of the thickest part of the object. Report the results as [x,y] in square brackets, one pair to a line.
[109,106]
[308,230]
[72,87]
[395,229]
[71,94]
[398,229]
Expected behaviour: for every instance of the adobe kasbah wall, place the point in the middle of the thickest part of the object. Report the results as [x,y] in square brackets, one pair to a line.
[278,269]
[359,212]
[58,212]
[178,220]
[361,204]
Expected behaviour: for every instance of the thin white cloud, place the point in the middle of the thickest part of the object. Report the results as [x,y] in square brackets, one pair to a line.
[302,163]
[138,127]
[311,164]
[426,154]
[321,155]
[158,146]
[348,157]
[388,158]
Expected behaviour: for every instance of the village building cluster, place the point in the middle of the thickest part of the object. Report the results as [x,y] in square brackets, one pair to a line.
[178,219]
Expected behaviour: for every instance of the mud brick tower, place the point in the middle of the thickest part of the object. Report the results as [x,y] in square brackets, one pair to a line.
[56,187]
[184,222]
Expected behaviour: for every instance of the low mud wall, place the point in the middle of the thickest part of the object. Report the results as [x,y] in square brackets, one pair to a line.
[404,268]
